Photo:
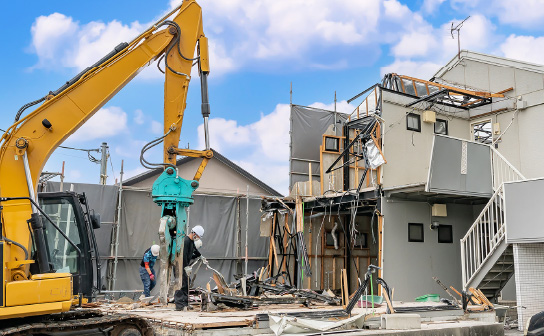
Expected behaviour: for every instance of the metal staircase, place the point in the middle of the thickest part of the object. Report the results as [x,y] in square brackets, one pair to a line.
[487,260]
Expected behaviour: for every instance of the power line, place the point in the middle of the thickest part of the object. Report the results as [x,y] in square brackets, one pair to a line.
[89,155]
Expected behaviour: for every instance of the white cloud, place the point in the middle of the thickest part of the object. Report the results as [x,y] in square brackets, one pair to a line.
[97,39]
[423,70]
[107,122]
[157,127]
[224,134]
[139,117]
[272,132]
[341,106]
[58,40]
[414,44]
[526,13]
[420,52]
[49,34]
[130,148]
[240,33]
[430,6]
[274,175]
[261,147]
[524,48]
[395,9]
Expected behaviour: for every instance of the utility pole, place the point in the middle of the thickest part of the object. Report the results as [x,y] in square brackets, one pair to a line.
[104,163]
[334,128]
[458,29]
[291,95]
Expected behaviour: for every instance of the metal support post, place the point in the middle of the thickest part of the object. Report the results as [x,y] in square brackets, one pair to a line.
[103,163]
[247,229]
[116,228]
[238,237]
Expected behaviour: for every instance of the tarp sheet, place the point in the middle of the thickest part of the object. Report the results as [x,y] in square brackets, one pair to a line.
[307,128]
[140,222]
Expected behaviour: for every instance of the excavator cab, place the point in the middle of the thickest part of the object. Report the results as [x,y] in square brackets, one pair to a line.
[70,212]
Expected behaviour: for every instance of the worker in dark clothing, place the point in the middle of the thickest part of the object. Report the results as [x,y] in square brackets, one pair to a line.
[181,297]
[147,272]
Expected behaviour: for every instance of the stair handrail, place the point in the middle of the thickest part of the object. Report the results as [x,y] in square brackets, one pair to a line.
[476,248]
[503,168]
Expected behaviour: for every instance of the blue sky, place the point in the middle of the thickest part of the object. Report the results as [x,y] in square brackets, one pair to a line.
[258,47]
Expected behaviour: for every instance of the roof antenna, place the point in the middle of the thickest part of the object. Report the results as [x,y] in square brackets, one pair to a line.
[458,29]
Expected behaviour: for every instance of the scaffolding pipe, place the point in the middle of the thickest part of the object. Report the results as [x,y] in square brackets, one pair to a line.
[116,248]
[247,228]
[238,236]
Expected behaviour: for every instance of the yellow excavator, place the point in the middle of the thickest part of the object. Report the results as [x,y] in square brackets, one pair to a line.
[50,263]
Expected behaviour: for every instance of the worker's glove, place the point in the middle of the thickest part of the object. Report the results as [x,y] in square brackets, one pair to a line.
[204,260]
[152,276]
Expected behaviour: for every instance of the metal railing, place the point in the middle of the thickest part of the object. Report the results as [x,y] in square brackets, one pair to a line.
[483,237]
[489,229]
[501,170]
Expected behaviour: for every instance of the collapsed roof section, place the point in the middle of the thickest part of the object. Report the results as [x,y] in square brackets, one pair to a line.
[431,93]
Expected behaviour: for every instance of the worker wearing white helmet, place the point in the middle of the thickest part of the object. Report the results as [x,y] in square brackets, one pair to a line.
[147,272]
[190,251]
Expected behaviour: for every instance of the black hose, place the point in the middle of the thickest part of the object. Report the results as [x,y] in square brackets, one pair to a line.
[148,146]
[25,106]
[16,244]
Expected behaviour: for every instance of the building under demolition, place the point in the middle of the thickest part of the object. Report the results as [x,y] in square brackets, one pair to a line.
[426,178]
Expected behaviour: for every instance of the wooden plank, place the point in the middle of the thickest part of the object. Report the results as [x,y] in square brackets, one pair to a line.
[456,292]
[386,296]
[475,93]
[220,288]
[271,246]
[345,282]
[482,295]
[342,291]
[300,214]
[275,254]
[310,178]
[244,323]
[475,296]
[334,274]
[321,169]
[323,259]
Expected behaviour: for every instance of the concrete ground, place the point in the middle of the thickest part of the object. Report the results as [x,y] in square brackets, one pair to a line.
[167,321]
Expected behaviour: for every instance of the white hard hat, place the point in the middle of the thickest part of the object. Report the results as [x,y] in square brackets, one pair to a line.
[155,249]
[199,230]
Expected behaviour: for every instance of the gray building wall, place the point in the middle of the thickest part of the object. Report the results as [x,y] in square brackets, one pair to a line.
[408,153]
[217,177]
[459,171]
[524,212]
[410,266]
[521,145]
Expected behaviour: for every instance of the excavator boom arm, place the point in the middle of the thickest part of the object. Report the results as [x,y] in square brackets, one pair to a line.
[28,143]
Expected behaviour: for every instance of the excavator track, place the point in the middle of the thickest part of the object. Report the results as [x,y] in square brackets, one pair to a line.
[78,321]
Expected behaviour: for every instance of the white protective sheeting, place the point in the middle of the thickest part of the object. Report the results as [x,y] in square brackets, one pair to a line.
[288,325]
[375,158]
